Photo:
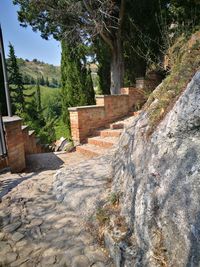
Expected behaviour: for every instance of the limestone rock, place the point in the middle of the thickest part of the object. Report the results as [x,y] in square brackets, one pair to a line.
[159,178]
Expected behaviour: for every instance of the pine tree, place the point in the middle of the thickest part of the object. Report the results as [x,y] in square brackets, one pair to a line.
[32,80]
[77,87]
[42,81]
[16,82]
[38,97]
[103,58]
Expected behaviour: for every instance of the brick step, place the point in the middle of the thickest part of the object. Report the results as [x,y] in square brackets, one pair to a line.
[116,125]
[105,142]
[110,133]
[90,150]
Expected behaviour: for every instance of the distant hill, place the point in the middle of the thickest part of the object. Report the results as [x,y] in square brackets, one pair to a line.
[49,75]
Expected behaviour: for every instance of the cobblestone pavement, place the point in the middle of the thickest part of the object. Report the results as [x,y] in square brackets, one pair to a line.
[36,229]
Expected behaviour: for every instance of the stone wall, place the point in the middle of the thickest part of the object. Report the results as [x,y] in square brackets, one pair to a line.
[85,120]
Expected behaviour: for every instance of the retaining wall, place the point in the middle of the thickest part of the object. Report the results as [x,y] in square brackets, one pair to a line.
[85,120]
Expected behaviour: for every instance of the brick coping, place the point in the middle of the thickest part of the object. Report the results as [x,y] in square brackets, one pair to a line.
[84,107]
[7,119]
[104,96]
[31,132]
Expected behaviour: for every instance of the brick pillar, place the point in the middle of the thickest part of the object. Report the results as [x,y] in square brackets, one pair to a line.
[15,143]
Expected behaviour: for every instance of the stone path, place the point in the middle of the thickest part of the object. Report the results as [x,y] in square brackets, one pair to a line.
[42,226]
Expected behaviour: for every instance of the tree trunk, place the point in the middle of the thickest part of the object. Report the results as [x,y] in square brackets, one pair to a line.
[117,69]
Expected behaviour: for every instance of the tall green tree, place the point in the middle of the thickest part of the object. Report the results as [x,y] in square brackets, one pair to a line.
[42,81]
[77,87]
[81,20]
[103,58]
[38,97]
[47,81]
[16,82]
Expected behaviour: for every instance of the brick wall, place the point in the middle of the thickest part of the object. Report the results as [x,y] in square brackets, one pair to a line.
[15,143]
[84,120]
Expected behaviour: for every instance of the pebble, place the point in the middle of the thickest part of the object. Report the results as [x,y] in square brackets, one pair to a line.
[10,257]
[21,243]
[17,236]
[4,247]
[36,222]
[48,260]
[12,227]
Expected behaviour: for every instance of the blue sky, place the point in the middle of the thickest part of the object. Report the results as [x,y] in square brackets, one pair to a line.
[27,43]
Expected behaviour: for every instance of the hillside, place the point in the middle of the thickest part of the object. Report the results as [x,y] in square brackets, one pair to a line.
[37,69]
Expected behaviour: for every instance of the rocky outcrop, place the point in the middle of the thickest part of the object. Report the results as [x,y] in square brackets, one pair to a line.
[158,179]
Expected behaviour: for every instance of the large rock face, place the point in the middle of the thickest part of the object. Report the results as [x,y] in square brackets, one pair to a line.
[159,178]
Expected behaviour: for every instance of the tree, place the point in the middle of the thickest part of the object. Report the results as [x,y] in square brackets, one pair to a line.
[81,20]
[47,81]
[103,58]
[16,82]
[54,82]
[26,79]
[38,98]
[32,80]
[77,87]
[42,81]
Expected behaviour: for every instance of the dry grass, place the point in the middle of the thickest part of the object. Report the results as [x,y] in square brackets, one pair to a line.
[184,61]
[159,252]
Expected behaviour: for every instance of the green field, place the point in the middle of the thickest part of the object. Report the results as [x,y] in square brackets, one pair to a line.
[51,99]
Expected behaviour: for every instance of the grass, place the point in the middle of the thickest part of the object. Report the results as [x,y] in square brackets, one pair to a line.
[62,130]
[46,92]
[185,61]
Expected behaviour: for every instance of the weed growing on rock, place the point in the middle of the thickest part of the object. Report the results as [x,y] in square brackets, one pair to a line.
[184,62]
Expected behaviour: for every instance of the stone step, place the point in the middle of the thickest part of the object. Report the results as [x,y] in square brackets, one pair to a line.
[105,142]
[91,150]
[110,133]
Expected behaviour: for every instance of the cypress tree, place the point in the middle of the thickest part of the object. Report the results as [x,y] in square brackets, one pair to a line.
[103,57]
[47,81]
[77,87]
[42,81]
[16,81]
[38,97]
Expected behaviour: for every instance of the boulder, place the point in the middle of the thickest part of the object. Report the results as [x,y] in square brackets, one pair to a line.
[158,178]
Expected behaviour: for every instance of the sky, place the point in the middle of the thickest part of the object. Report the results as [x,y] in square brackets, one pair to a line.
[27,44]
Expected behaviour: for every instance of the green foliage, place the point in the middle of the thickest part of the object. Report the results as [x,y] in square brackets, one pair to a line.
[62,130]
[183,67]
[77,86]
[114,198]
[103,58]
[102,215]
[15,78]
[48,74]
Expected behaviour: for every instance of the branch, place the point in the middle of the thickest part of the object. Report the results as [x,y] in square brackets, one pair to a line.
[107,40]
[121,14]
